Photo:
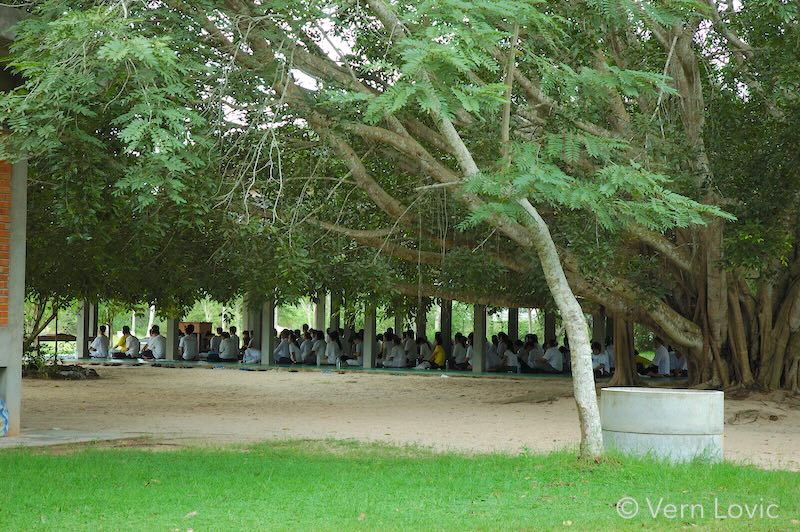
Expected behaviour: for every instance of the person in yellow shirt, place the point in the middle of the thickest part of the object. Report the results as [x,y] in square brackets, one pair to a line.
[119,347]
[437,360]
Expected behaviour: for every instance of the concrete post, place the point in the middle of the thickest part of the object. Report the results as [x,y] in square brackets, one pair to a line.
[336,310]
[13,207]
[513,324]
[82,339]
[319,312]
[370,345]
[267,338]
[549,326]
[94,309]
[422,317]
[479,336]
[447,325]
[171,335]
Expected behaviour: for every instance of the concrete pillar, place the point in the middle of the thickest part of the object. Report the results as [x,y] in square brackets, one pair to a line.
[267,340]
[479,337]
[549,326]
[422,317]
[13,207]
[319,312]
[171,335]
[598,326]
[336,310]
[82,339]
[370,345]
[447,325]
[513,324]
[93,319]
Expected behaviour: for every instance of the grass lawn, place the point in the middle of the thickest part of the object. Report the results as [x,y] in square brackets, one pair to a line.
[333,485]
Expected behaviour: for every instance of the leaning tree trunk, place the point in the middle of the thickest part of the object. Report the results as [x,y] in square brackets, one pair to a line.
[578,331]
[625,373]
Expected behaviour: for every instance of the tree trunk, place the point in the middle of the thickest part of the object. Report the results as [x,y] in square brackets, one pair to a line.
[625,373]
[578,331]
[151,318]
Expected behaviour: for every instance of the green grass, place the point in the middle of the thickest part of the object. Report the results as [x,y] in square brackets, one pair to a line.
[334,485]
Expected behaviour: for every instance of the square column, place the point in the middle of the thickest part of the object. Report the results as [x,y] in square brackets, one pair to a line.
[267,339]
[13,209]
[446,318]
[319,312]
[513,324]
[370,344]
[171,335]
[479,337]
[82,334]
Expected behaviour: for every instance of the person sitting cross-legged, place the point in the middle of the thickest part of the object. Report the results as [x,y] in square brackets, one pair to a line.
[188,344]
[99,347]
[156,345]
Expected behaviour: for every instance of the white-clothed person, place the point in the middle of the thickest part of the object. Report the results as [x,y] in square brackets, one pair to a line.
[319,347]
[660,365]
[229,349]
[282,353]
[188,344]
[397,355]
[333,349]
[99,347]
[600,359]
[552,361]
[610,352]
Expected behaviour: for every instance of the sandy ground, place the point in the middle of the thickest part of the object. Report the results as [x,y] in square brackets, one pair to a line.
[460,413]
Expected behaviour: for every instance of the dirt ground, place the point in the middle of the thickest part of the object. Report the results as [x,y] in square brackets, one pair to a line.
[459,413]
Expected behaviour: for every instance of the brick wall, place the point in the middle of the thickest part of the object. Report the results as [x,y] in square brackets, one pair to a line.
[5,237]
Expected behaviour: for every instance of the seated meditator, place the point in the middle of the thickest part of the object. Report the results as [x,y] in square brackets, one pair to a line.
[282,353]
[600,363]
[132,345]
[552,361]
[187,346]
[216,340]
[460,352]
[306,346]
[99,347]
[318,348]
[610,352]
[397,355]
[333,349]
[356,358]
[660,366]
[156,345]
[229,349]
[678,364]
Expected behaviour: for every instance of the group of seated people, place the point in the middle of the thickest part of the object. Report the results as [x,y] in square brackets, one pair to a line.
[344,347]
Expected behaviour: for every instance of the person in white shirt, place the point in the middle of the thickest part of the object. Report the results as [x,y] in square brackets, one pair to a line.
[410,347]
[470,351]
[511,360]
[99,347]
[294,349]
[229,349]
[660,366]
[552,361]
[460,352]
[156,345]
[188,344]
[397,355]
[235,338]
[678,364]
[132,344]
[282,354]
[357,358]
[306,346]
[610,353]
[216,340]
[535,351]
[424,349]
[600,363]
[318,348]
[333,349]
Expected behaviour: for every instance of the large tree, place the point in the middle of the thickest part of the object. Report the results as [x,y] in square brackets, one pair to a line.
[476,151]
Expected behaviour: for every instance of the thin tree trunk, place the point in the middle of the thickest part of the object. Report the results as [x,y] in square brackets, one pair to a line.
[578,331]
